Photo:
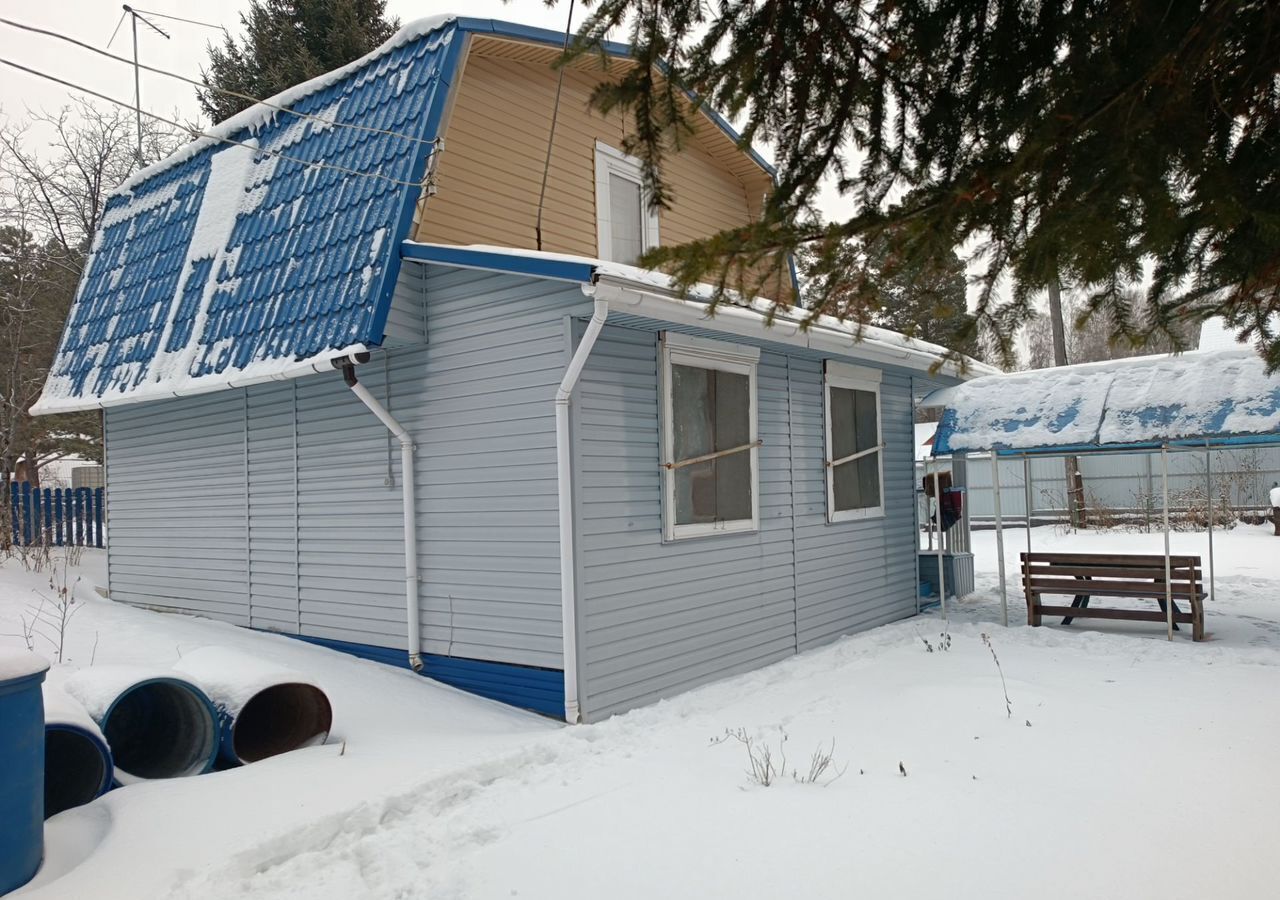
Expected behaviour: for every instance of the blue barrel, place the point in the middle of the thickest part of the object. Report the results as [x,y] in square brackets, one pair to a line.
[22,765]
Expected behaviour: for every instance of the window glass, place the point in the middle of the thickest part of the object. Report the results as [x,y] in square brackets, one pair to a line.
[626,219]
[854,428]
[711,412]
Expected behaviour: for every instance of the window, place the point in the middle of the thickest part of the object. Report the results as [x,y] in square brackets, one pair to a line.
[855,447]
[625,225]
[709,437]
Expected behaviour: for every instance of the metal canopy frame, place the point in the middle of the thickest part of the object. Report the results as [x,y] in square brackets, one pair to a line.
[1206,446]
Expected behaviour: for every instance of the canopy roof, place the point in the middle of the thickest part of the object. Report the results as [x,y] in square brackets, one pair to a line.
[1222,398]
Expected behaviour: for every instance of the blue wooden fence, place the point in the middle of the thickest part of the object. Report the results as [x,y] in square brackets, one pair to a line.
[58,516]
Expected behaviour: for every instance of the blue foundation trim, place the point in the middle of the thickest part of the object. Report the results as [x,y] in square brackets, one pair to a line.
[541,690]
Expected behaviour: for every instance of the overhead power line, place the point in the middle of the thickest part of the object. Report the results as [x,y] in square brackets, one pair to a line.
[213,137]
[200,84]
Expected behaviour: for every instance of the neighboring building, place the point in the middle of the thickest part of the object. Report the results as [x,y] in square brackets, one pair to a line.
[675,522]
[69,471]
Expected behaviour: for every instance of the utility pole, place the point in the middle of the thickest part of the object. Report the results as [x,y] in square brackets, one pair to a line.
[137,78]
[1055,321]
[1075,481]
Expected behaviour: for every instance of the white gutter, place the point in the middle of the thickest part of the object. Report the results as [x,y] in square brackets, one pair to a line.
[564,489]
[652,302]
[413,615]
[325,361]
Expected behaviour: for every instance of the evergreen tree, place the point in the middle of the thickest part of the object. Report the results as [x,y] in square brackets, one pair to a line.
[287,42]
[924,300]
[1109,143]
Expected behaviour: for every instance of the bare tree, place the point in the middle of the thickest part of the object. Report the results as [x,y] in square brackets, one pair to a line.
[52,194]
[1090,338]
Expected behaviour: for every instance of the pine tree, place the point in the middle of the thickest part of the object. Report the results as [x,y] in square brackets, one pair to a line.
[287,42]
[924,300]
[1110,143]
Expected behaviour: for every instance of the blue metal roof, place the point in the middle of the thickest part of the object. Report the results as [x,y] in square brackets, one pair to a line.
[1218,399]
[245,258]
[277,261]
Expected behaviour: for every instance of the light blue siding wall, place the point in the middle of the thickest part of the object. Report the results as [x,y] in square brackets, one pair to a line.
[211,511]
[657,618]
[485,424]
[177,520]
[279,506]
[851,575]
[350,526]
[272,497]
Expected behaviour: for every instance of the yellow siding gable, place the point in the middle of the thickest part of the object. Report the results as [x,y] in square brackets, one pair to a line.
[490,170]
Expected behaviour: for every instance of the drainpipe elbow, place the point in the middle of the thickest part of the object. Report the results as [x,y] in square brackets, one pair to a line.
[415,661]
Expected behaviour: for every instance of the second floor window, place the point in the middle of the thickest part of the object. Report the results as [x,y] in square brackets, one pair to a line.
[625,225]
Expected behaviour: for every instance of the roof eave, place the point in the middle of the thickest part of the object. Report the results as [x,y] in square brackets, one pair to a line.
[786,328]
[323,362]
[652,298]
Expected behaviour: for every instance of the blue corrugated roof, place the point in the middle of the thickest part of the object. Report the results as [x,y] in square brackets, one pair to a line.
[304,265]
[228,264]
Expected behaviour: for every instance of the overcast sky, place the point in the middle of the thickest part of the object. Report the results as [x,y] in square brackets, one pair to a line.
[92,21]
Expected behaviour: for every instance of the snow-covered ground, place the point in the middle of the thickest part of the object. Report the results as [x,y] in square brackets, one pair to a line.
[1129,767]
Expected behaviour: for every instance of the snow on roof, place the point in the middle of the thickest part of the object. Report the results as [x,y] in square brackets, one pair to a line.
[832,334]
[1129,402]
[227,265]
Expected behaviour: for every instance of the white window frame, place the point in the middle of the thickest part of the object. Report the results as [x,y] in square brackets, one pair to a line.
[853,378]
[611,161]
[686,350]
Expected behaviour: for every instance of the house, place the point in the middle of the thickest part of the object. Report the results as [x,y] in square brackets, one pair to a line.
[347,399]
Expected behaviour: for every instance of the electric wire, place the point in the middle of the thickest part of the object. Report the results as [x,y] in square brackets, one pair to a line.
[200,84]
[551,135]
[213,137]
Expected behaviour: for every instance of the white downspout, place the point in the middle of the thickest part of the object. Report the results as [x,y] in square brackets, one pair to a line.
[564,485]
[413,614]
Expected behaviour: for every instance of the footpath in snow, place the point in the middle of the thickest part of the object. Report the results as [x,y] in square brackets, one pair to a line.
[1125,766]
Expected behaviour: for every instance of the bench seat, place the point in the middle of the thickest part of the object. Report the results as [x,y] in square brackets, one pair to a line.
[1086,576]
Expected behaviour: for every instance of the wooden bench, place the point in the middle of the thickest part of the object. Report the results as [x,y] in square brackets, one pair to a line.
[1085,576]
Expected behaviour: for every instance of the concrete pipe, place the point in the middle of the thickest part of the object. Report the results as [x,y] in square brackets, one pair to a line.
[157,724]
[264,709]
